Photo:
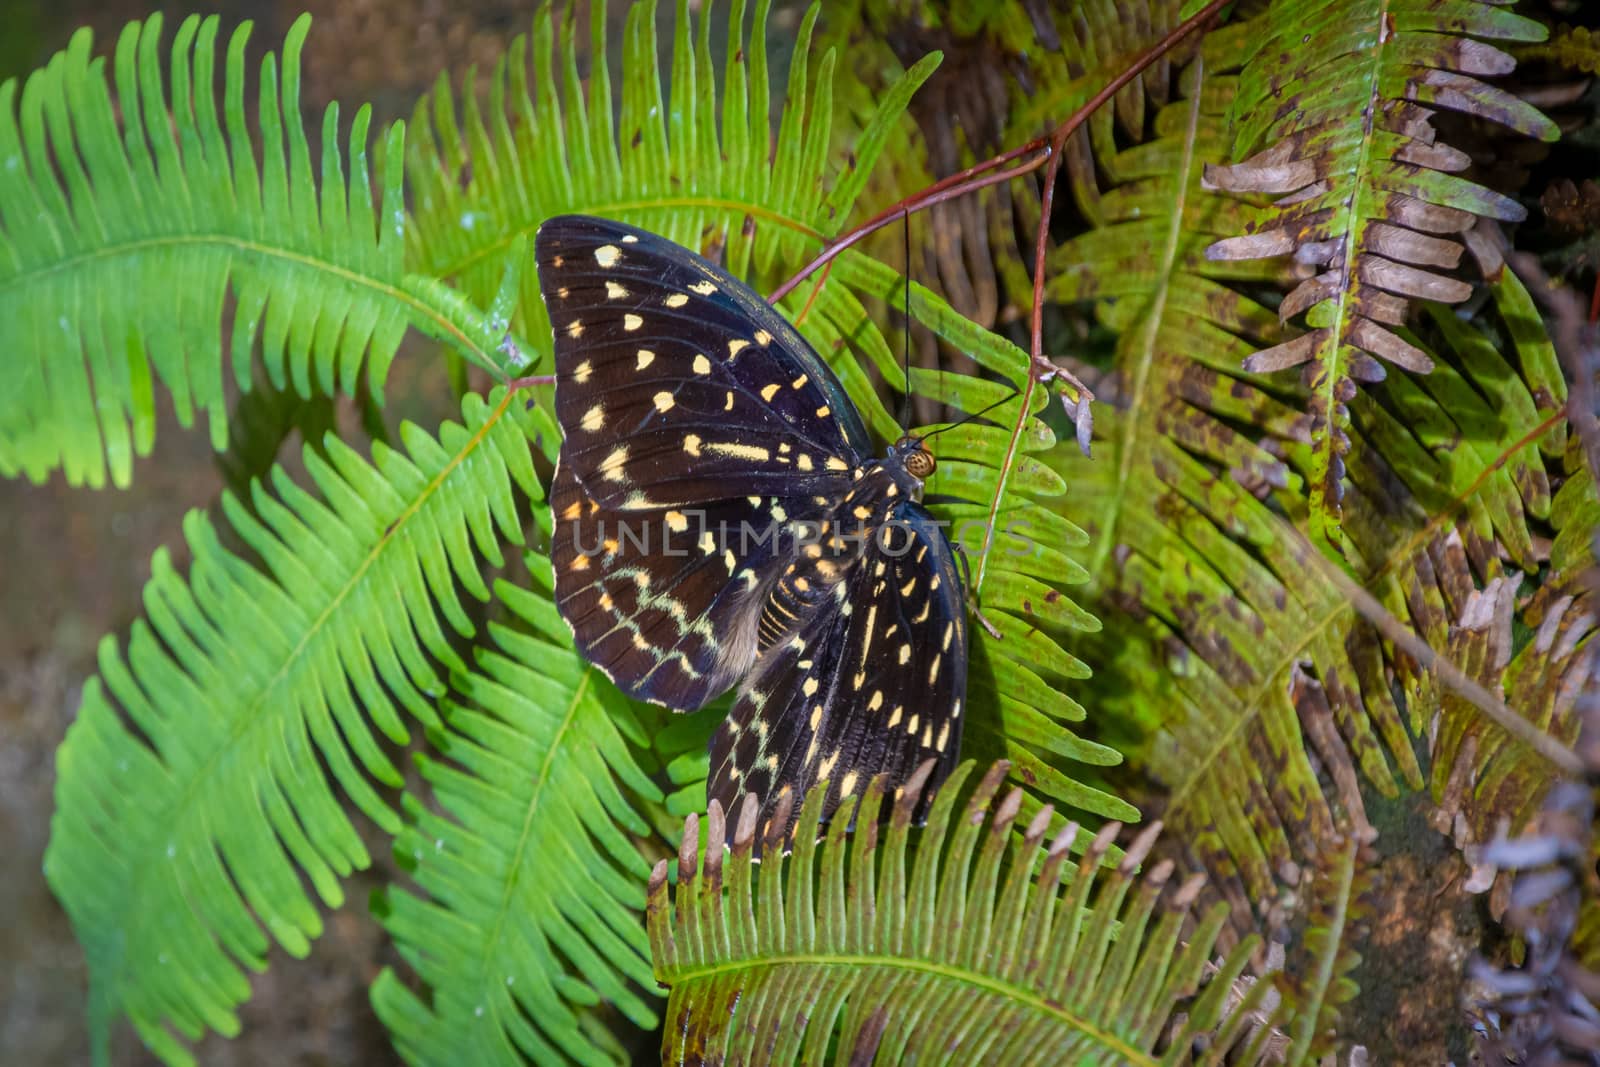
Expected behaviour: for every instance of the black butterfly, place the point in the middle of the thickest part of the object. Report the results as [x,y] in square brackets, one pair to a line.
[719,521]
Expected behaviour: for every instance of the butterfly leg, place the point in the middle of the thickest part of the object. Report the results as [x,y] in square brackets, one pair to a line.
[972,595]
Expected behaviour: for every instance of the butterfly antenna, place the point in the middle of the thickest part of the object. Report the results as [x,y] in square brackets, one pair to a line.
[905,397]
[976,414]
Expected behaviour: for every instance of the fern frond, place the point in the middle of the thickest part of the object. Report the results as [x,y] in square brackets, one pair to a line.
[529,862]
[195,803]
[1276,699]
[951,950]
[126,220]
[1338,887]
[1365,187]
[1576,48]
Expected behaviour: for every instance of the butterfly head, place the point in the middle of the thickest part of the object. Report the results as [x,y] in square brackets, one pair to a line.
[912,456]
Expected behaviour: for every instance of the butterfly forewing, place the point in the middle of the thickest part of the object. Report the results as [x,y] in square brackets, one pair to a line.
[875,685]
[673,379]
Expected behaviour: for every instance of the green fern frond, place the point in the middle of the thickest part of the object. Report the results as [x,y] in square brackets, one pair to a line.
[1364,185]
[1575,47]
[126,220]
[953,950]
[530,861]
[195,801]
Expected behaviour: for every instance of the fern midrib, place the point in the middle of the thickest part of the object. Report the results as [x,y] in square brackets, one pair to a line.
[1056,1012]
[504,242]
[1132,424]
[1360,178]
[418,308]
[543,780]
[250,718]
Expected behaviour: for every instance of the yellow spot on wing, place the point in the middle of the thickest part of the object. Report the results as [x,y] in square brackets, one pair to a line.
[837,464]
[631,322]
[737,345]
[798,382]
[731,448]
[676,300]
[581,372]
[704,288]
[615,291]
[663,401]
[769,391]
[611,466]
[702,365]
[593,419]
[803,461]
[646,357]
[677,522]
[691,444]
[607,256]
[575,329]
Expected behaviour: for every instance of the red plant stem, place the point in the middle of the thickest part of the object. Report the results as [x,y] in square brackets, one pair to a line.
[935,194]
[535,379]
[812,299]
[1038,365]
[1042,148]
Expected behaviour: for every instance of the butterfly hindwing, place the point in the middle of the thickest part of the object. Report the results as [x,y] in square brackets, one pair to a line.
[667,602]
[674,379]
[875,687]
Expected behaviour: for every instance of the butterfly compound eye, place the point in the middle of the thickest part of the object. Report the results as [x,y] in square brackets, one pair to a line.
[919,463]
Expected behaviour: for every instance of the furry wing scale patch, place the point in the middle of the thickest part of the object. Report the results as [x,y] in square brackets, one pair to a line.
[666,602]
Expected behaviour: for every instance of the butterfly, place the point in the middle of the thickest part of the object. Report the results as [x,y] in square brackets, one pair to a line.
[721,522]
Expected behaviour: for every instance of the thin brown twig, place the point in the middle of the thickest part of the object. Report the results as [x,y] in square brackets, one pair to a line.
[1452,676]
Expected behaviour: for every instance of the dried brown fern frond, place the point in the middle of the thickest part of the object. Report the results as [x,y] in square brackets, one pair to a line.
[1334,119]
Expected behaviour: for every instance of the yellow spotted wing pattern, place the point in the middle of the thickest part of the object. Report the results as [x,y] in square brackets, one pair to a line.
[721,523]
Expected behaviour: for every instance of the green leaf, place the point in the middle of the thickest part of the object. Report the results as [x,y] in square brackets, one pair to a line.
[529,862]
[195,798]
[126,221]
[937,945]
